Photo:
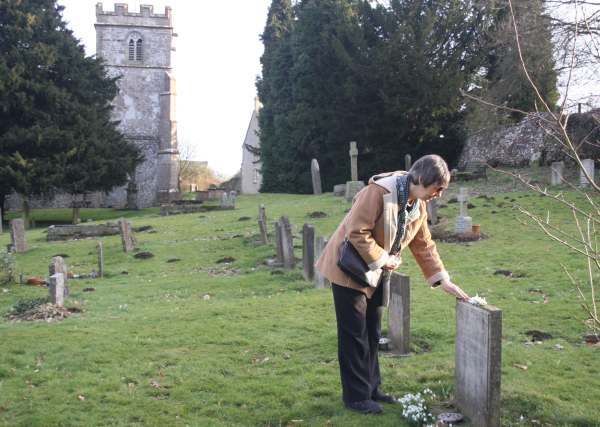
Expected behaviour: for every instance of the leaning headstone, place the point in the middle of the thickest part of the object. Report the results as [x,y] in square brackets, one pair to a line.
[127,237]
[588,165]
[432,211]
[278,242]
[399,313]
[308,252]
[353,161]
[557,169]
[57,265]
[316,176]
[17,235]
[477,366]
[407,162]
[287,243]
[57,289]
[352,188]
[262,224]
[463,221]
[232,198]
[100,251]
[320,280]
[339,190]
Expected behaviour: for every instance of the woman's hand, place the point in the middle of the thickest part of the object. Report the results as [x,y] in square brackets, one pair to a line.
[452,289]
[393,262]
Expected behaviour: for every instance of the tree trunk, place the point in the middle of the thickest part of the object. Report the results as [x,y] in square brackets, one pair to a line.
[26,213]
[75,218]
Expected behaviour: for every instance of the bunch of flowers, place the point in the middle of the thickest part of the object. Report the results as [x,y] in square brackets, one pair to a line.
[414,408]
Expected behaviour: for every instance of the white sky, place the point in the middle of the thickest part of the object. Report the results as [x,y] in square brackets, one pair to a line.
[215,64]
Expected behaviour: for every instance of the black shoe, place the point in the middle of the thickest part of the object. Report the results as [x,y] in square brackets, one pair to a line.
[382,397]
[365,407]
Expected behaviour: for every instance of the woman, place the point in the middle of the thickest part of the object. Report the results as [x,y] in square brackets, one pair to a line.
[392,206]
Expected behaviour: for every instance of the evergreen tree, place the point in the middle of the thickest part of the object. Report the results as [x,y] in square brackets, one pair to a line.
[55,127]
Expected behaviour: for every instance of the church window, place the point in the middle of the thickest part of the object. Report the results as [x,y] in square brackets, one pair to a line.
[139,56]
[135,50]
[131,51]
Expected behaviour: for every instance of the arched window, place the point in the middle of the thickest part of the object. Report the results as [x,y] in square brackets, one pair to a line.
[139,56]
[131,50]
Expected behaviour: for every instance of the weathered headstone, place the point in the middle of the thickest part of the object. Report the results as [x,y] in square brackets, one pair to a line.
[224,200]
[308,252]
[399,313]
[232,198]
[339,190]
[127,237]
[432,211]
[557,169]
[100,251]
[477,366]
[132,195]
[17,235]
[262,224]
[57,265]
[287,243]
[588,165]
[353,161]
[353,187]
[278,242]
[316,176]
[463,221]
[57,289]
[407,162]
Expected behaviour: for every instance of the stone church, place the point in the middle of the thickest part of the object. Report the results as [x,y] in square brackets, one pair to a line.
[251,178]
[137,47]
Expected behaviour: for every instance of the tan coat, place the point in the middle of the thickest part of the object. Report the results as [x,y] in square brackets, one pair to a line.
[371,227]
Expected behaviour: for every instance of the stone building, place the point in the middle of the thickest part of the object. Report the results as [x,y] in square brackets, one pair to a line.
[137,47]
[251,178]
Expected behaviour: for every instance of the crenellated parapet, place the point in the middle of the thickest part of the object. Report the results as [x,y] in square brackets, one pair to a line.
[145,17]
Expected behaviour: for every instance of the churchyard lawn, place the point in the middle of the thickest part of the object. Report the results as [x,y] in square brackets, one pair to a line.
[201,343]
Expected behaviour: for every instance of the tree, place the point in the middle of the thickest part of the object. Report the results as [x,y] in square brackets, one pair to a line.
[55,124]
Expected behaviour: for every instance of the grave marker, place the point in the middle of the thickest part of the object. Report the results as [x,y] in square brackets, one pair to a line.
[224,200]
[432,211]
[127,237]
[478,367]
[308,252]
[262,224]
[353,161]
[557,169]
[57,289]
[17,235]
[588,165]
[232,198]
[57,265]
[287,243]
[316,176]
[278,242]
[463,221]
[0,220]
[399,313]
[407,162]
[100,251]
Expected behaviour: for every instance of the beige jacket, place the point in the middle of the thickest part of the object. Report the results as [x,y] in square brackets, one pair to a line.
[371,227]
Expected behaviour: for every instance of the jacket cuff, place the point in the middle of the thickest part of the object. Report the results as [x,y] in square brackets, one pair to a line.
[379,262]
[442,275]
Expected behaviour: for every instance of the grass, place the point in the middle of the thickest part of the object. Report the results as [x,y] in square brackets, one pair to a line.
[150,349]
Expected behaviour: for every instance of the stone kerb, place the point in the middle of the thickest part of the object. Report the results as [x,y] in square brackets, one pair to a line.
[316,176]
[127,237]
[57,289]
[399,313]
[308,252]
[70,232]
[58,266]
[478,363]
[17,235]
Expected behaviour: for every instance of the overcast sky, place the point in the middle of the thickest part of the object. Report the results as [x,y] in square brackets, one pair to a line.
[215,64]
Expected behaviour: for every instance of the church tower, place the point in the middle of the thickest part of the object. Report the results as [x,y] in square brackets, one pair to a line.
[137,48]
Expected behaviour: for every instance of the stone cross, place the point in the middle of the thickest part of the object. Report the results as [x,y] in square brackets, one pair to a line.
[232,198]
[477,364]
[262,224]
[308,252]
[320,280]
[399,313]
[353,161]
[463,221]
[57,289]
[432,211]
[588,165]
[557,169]
[57,265]
[287,243]
[100,251]
[127,237]
[278,242]
[17,235]
[407,162]
[315,173]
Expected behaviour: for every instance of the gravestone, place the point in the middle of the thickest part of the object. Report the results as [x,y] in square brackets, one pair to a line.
[477,365]
[287,243]
[127,237]
[320,280]
[353,161]
[463,221]
[432,211]
[132,195]
[588,165]
[262,224]
[57,289]
[557,169]
[399,313]
[407,162]
[57,265]
[339,190]
[308,252]
[224,200]
[278,242]
[353,187]
[0,220]
[17,235]
[316,176]
[100,252]
[232,198]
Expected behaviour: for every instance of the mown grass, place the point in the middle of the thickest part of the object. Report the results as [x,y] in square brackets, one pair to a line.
[151,350]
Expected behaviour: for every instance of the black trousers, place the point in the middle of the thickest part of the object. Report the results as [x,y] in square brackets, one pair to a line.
[358,329]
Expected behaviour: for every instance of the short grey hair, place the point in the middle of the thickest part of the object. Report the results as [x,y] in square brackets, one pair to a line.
[430,169]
